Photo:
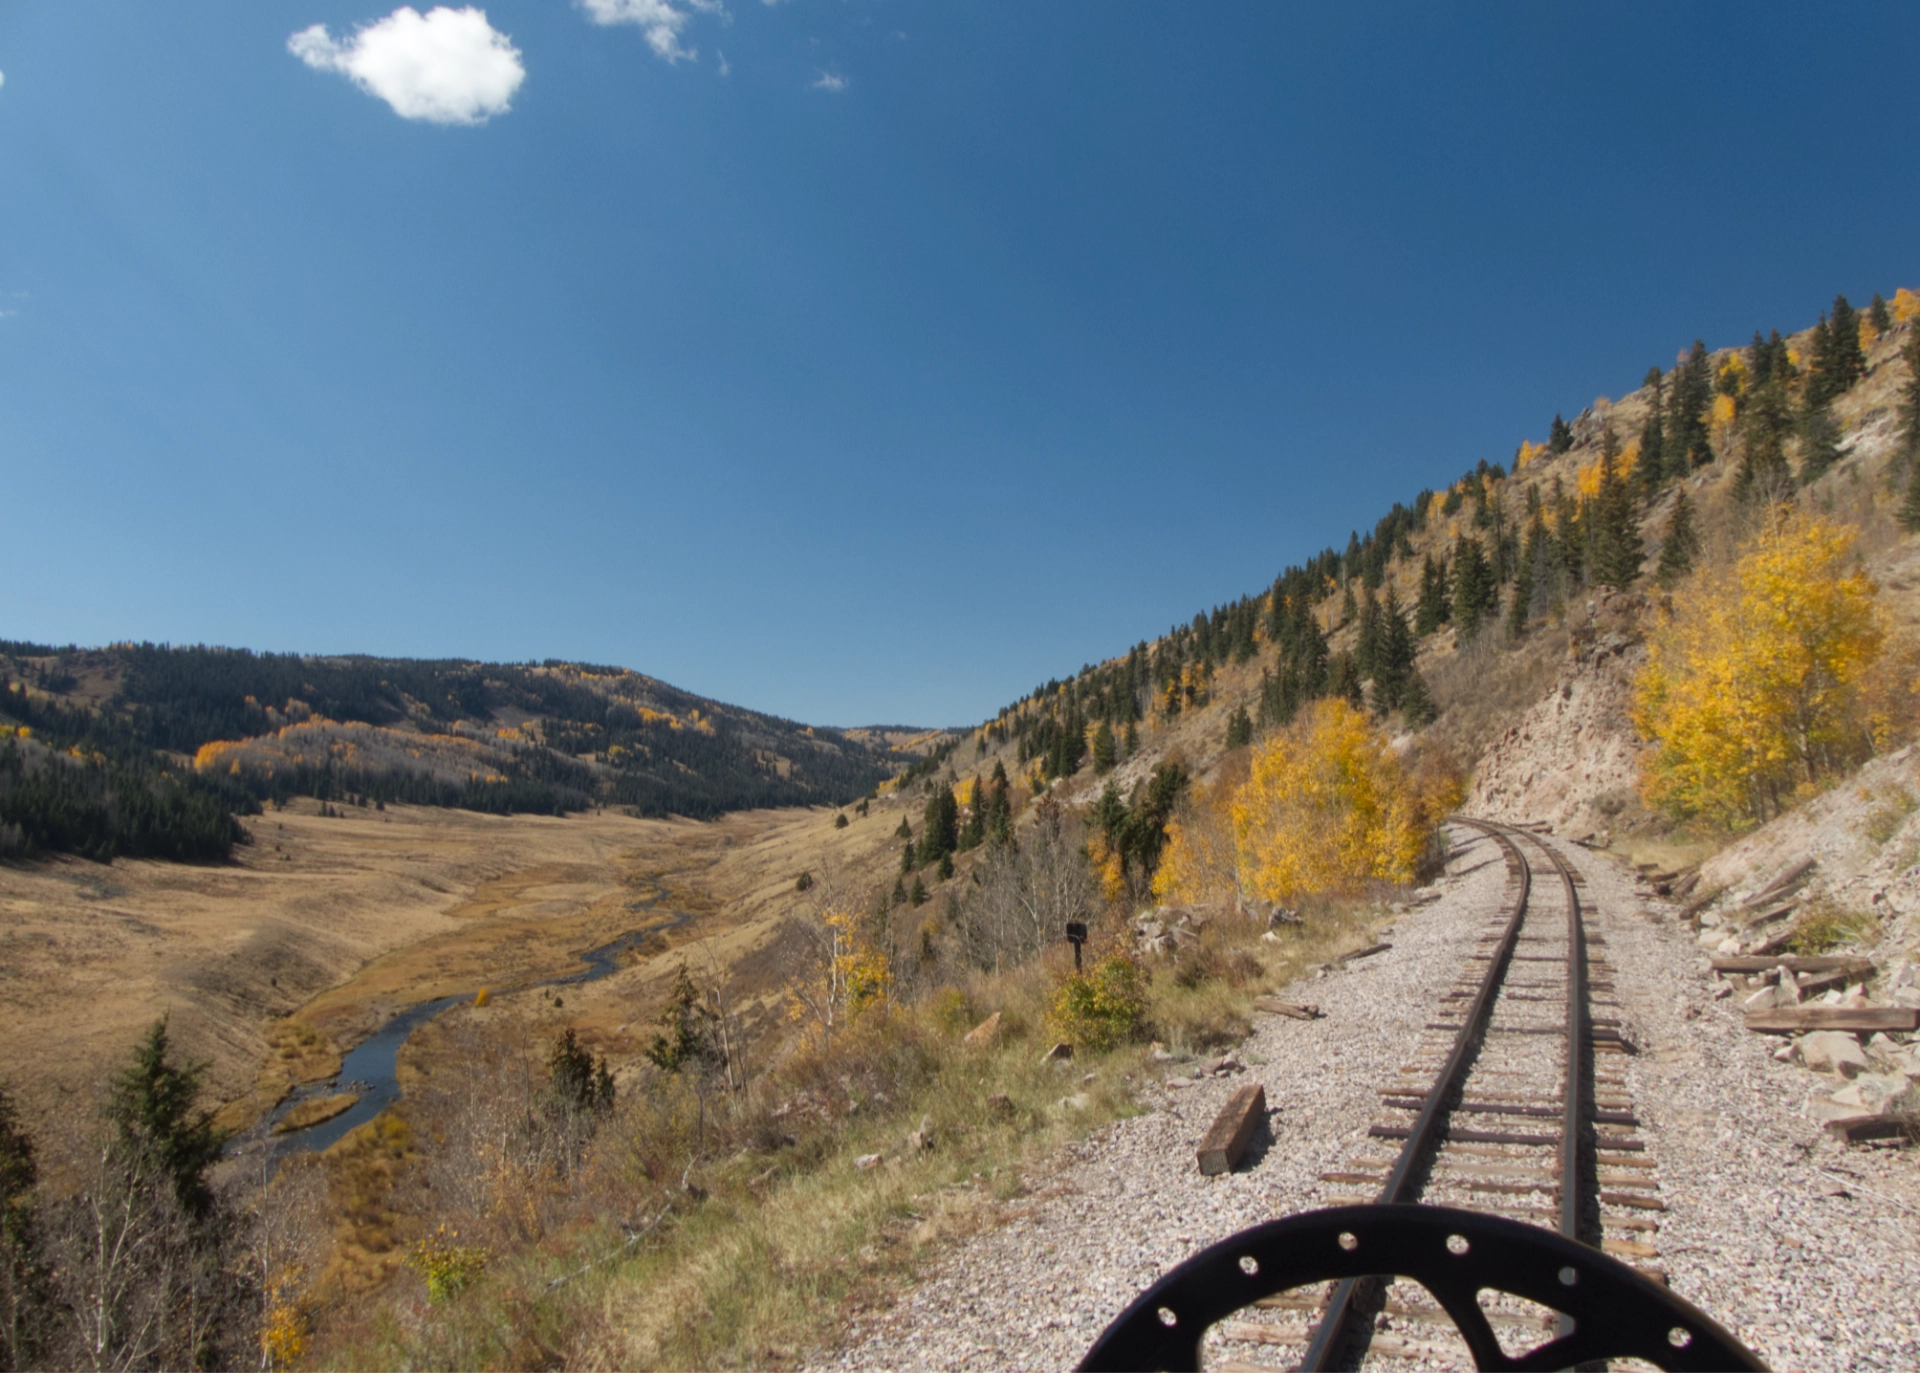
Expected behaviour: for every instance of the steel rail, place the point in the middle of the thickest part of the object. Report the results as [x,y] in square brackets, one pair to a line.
[1332,1335]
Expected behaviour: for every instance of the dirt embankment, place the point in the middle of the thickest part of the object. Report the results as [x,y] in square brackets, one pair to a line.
[1573,760]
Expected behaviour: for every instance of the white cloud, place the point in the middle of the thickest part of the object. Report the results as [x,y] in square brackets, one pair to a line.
[446,66]
[830,81]
[3,78]
[658,20]
[726,67]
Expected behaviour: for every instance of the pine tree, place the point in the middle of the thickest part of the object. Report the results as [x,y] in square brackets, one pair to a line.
[1909,441]
[1239,728]
[1416,705]
[941,835]
[907,854]
[1348,610]
[1910,507]
[151,1109]
[1366,644]
[905,831]
[918,896]
[580,1081]
[1878,315]
[1394,658]
[1103,749]
[1520,608]
[1764,426]
[1682,543]
[1427,611]
[1688,440]
[1653,438]
[23,1273]
[1560,437]
[1475,595]
[1615,533]
[1849,360]
[1819,443]
[1343,680]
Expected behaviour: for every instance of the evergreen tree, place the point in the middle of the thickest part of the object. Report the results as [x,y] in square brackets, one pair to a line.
[1344,681]
[1688,440]
[1878,315]
[151,1109]
[23,1273]
[1103,749]
[1909,441]
[580,1081]
[1416,705]
[1366,644]
[1520,607]
[907,854]
[1560,437]
[1910,507]
[1435,606]
[1682,543]
[918,896]
[1614,532]
[1348,610]
[945,870]
[1393,658]
[1475,595]
[1653,439]
[973,833]
[1765,422]
[1819,443]
[905,831]
[941,834]
[1849,359]
[1568,538]
[1239,728]
[1132,740]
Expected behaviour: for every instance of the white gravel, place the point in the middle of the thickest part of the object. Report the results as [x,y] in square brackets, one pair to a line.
[1814,1271]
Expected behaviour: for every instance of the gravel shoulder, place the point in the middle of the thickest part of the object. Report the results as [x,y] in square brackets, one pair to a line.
[1808,1251]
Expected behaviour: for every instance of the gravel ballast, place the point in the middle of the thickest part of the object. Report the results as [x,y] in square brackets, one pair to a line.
[1802,1248]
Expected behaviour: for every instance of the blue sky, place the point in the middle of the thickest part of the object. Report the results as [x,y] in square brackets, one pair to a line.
[857,360]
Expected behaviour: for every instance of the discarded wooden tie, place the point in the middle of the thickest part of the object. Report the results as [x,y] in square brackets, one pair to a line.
[1232,1130]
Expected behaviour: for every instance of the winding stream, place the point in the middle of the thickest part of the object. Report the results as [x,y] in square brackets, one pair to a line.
[371,1066]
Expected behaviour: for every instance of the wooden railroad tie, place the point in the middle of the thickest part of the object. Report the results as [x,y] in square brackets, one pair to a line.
[1858,1018]
[1232,1130]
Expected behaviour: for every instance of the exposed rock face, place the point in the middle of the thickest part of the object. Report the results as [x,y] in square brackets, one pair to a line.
[1573,760]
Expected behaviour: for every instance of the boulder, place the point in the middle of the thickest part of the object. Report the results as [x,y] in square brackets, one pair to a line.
[921,1138]
[984,1032]
[1763,1000]
[1833,1051]
[1880,1094]
[1063,1051]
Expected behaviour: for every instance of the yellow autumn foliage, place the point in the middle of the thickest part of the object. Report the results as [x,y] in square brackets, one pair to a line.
[1587,480]
[1529,452]
[1751,691]
[1905,305]
[1200,864]
[1327,807]
[1724,410]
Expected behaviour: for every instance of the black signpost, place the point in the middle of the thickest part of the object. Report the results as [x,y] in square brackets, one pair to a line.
[1076,936]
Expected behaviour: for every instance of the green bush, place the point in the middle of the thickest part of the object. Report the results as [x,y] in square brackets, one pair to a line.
[1102,1008]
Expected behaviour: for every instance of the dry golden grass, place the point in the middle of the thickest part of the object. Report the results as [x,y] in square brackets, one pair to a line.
[315,1110]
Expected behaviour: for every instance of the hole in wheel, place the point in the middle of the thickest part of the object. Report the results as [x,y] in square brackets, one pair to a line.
[1349,1241]
[1679,1337]
[1167,1317]
[1568,1277]
[1249,1265]
[1457,1244]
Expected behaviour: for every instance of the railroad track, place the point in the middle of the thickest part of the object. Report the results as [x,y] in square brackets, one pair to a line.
[1515,1101]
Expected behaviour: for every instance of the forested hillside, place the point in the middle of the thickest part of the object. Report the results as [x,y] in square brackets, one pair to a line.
[150,750]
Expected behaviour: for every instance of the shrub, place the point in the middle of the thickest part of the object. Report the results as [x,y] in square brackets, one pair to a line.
[1103,1008]
[1822,927]
[950,1011]
[449,1268]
